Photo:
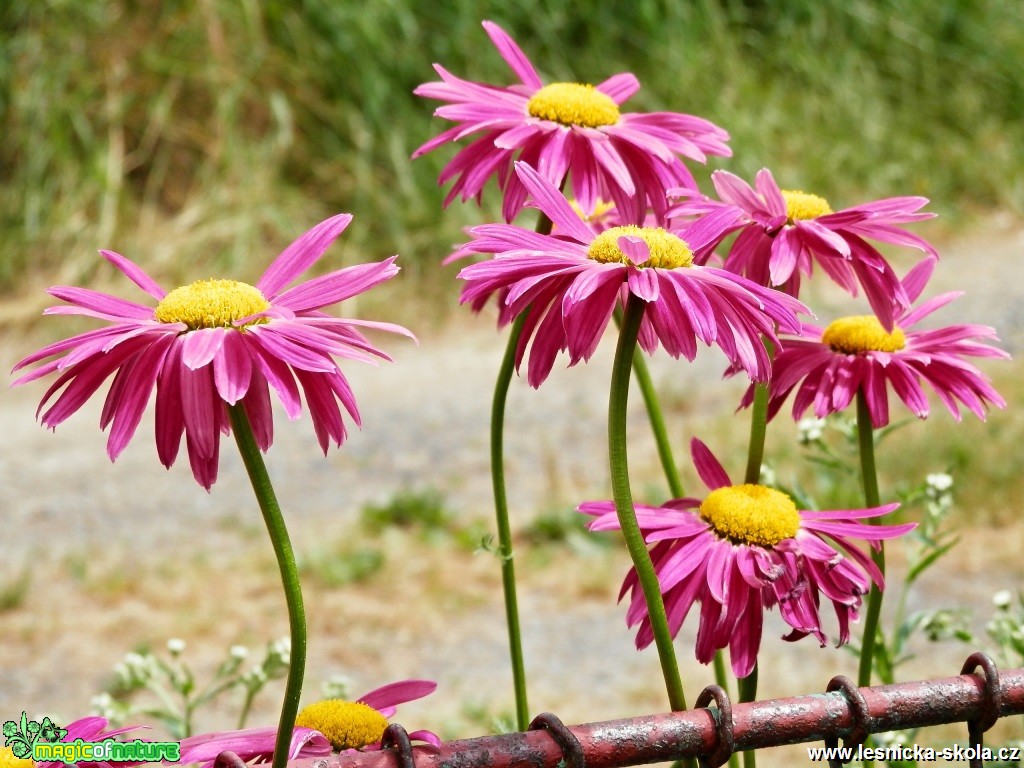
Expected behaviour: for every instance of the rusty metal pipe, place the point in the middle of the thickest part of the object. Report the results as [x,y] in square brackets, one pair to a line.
[759,724]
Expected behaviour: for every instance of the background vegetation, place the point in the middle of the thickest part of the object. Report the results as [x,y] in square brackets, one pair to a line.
[202,135]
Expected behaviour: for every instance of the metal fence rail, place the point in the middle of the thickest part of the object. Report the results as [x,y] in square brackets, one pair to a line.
[978,697]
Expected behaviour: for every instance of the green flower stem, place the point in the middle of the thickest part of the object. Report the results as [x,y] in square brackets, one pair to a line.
[748,692]
[619,467]
[654,415]
[508,568]
[869,476]
[257,470]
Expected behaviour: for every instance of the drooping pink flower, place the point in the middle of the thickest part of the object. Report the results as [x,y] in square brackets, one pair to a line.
[215,343]
[569,286]
[827,366]
[360,724]
[744,548]
[630,158]
[783,232]
[251,744]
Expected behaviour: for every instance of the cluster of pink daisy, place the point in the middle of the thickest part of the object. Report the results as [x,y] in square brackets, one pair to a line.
[631,233]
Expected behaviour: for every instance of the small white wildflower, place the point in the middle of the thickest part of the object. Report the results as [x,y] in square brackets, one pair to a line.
[768,476]
[940,482]
[336,687]
[238,652]
[255,676]
[811,430]
[175,646]
[1002,599]
[102,704]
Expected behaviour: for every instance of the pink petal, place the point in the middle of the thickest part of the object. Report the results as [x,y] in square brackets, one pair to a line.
[301,255]
[513,55]
[394,694]
[708,468]
[135,273]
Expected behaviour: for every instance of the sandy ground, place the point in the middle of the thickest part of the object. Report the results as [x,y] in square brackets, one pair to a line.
[127,554]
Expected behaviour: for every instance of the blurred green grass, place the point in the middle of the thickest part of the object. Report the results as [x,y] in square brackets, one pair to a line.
[199,136]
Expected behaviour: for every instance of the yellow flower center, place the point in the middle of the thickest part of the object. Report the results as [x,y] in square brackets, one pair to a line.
[862,333]
[8,760]
[802,206]
[601,207]
[574,104]
[211,304]
[346,724]
[667,250]
[751,514]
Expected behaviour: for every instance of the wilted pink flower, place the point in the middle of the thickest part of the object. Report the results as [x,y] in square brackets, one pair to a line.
[744,548]
[252,745]
[782,232]
[630,158]
[570,284]
[827,366]
[360,724]
[215,343]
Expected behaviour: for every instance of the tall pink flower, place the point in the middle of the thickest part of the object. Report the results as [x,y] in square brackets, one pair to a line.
[744,548]
[782,233]
[569,286]
[577,129]
[827,366]
[211,344]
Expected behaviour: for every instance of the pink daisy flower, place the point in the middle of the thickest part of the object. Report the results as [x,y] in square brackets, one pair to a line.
[782,232]
[744,548]
[570,284]
[827,366]
[577,129]
[360,724]
[89,729]
[251,744]
[215,343]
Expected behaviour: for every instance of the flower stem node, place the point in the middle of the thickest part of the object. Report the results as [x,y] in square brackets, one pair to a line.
[346,724]
[862,333]
[751,514]
[211,304]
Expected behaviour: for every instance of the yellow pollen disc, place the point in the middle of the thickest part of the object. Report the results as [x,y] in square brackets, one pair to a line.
[667,250]
[574,104]
[751,514]
[8,760]
[346,724]
[600,209]
[802,206]
[862,333]
[210,304]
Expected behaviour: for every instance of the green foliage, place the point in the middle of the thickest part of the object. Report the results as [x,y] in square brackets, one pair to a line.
[341,565]
[14,591]
[204,134]
[410,509]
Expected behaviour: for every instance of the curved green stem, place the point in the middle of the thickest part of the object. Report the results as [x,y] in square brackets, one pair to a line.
[869,477]
[257,470]
[508,568]
[654,415]
[624,501]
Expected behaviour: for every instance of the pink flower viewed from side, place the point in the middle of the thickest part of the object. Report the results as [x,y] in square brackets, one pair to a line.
[252,745]
[89,729]
[827,366]
[577,129]
[569,286]
[744,548]
[211,344]
[782,233]
[360,724]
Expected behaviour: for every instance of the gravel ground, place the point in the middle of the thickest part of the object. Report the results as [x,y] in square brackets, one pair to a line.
[155,556]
